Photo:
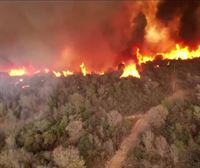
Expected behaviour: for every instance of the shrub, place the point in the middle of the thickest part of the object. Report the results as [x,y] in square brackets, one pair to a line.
[49,139]
[32,143]
[77,100]
[42,125]
[137,153]
[108,130]
[35,139]
[198,91]
[84,145]
[68,158]
[2,110]
[197,139]
[194,159]
[181,133]
[75,130]
[167,103]
[196,111]
[63,123]
[180,145]
[2,140]
[85,114]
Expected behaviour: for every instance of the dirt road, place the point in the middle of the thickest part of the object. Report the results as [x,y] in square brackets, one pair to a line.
[155,115]
[117,160]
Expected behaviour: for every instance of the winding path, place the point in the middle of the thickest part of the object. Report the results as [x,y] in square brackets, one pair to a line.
[140,125]
[143,122]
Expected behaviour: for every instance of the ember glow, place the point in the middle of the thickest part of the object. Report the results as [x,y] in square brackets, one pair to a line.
[130,69]
[143,58]
[17,72]
[83,69]
[182,53]
[135,31]
[25,86]
[57,74]
[67,73]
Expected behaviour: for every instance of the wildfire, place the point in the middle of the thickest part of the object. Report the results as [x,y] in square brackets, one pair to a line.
[83,69]
[46,70]
[182,53]
[143,58]
[63,73]
[25,86]
[57,74]
[130,69]
[17,72]
[67,73]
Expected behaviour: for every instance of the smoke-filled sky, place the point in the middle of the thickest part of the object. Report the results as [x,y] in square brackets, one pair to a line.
[63,34]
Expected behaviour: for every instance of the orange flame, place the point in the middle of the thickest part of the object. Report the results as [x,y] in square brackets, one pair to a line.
[46,70]
[182,53]
[143,58]
[67,73]
[130,70]
[17,72]
[83,69]
[57,74]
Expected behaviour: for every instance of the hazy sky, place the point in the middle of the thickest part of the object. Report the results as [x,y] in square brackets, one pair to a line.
[62,34]
[38,32]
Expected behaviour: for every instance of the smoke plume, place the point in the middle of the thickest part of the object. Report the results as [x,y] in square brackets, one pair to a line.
[61,35]
[187,10]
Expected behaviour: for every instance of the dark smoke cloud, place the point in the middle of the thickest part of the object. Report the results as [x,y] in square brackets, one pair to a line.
[188,28]
[138,32]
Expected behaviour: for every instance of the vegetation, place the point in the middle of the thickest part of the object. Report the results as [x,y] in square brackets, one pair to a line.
[175,143]
[80,121]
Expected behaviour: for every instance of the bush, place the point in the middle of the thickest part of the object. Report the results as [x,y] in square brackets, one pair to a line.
[167,103]
[68,157]
[139,153]
[2,110]
[75,130]
[180,145]
[77,100]
[85,114]
[84,145]
[32,143]
[38,136]
[63,123]
[194,159]
[196,111]
[184,136]
[198,91]
[197,139]
[49,139]
[2,140]
[42,125]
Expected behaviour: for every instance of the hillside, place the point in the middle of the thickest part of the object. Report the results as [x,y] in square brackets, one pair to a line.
[82,121]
